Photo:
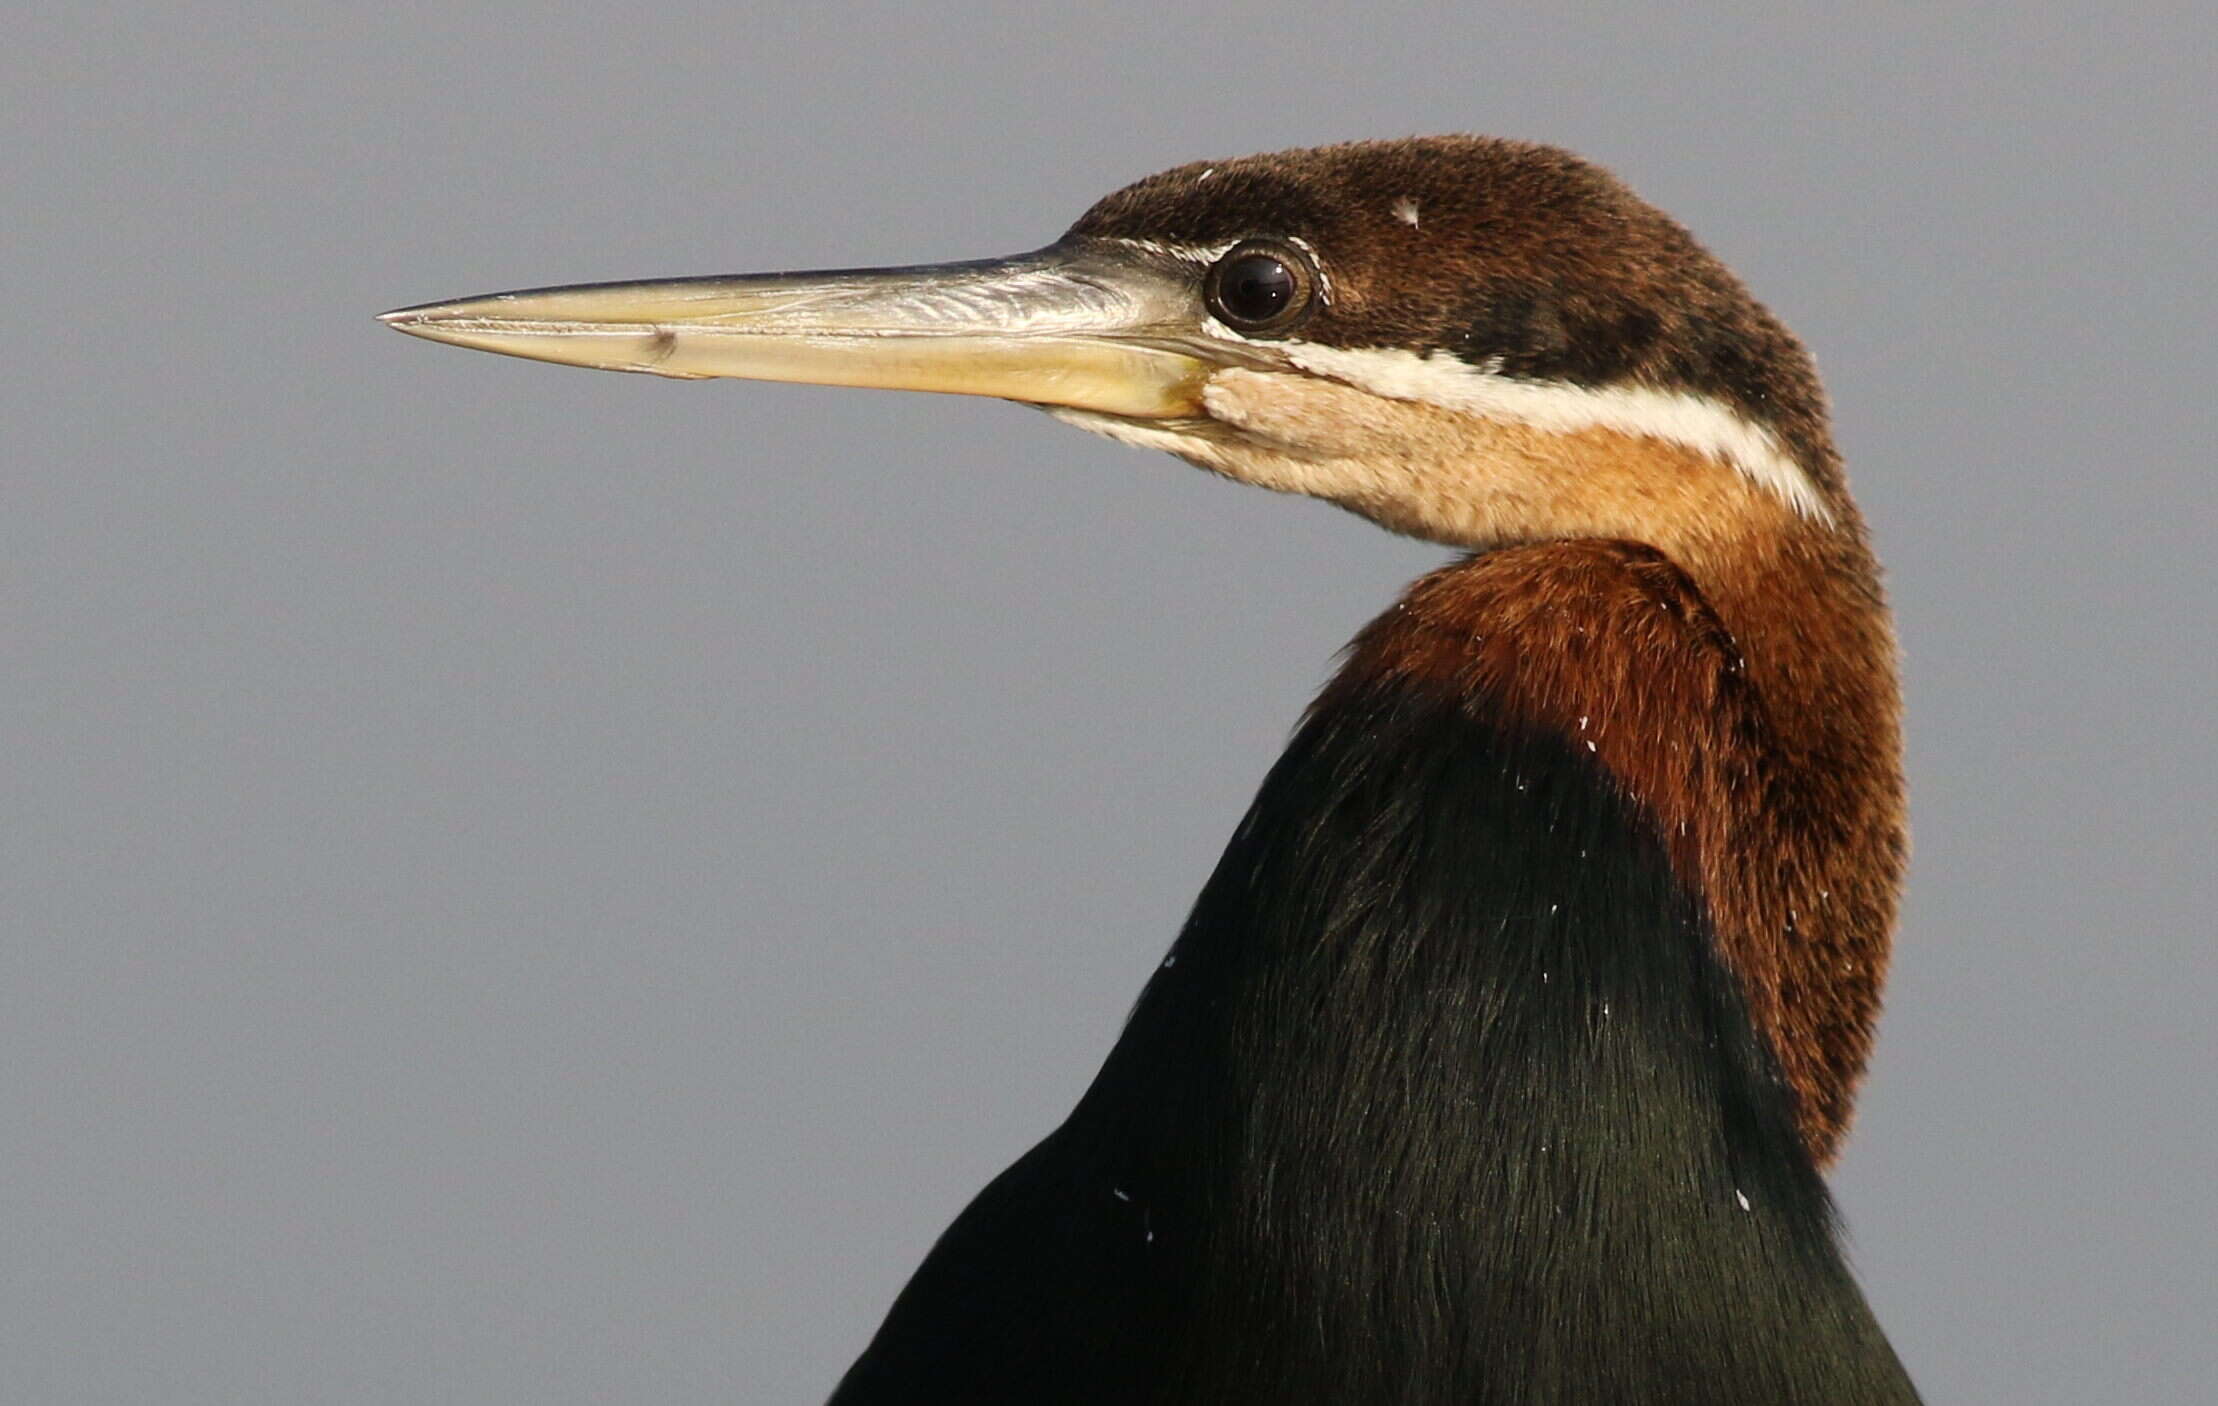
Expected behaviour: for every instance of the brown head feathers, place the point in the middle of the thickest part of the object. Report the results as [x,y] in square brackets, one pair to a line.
[1522,259]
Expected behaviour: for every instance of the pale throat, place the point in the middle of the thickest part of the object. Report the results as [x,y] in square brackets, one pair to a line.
[1436,449]
[1557,464]
[1783,565]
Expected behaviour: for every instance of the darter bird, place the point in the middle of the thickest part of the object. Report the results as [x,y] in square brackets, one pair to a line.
[1502,1054]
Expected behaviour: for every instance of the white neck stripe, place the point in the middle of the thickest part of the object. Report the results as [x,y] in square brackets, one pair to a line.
[1692,421]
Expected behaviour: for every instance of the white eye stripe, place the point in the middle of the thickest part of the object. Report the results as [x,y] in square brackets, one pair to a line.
[1317,265]
[1191,253]
[1207,254]
[1677,417]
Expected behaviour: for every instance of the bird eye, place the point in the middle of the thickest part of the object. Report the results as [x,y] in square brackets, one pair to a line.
[1260,287]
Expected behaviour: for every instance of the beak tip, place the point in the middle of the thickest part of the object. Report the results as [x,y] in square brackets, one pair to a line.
[404,319]
[428,321]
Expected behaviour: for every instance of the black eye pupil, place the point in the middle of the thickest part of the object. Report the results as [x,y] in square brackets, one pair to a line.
[1261,287]
[1256,288]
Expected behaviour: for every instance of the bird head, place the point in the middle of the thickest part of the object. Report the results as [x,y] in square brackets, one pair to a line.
[1468,340]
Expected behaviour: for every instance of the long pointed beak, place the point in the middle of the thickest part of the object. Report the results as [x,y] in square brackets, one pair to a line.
[1092,327]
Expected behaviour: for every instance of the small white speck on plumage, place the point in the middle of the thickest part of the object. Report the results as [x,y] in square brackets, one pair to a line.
[1120,1193]
[1590,744]
[1170,961]
[1553,907]
[1582,722]
[1741,1196]
[1205,175]
[1405,210]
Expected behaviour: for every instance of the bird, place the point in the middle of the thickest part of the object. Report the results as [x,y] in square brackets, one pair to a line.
[1503,1055]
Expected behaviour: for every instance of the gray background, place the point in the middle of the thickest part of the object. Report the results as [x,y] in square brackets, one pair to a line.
[526,886]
